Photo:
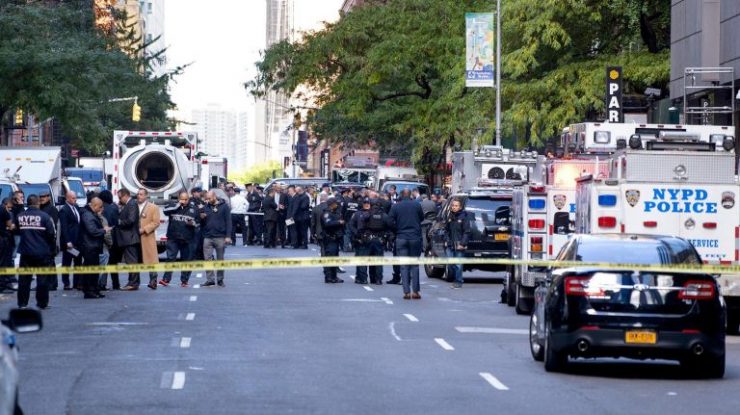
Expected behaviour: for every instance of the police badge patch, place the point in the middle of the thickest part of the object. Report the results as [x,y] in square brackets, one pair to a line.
[633,196]
[559,201]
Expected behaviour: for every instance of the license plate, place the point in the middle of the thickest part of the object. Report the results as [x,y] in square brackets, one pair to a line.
[640,337]
[501,237]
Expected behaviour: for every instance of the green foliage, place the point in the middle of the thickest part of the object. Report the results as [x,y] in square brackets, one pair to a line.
[392,73]
[259,173]
[54,63]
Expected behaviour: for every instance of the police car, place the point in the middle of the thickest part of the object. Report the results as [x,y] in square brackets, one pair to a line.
[19,321]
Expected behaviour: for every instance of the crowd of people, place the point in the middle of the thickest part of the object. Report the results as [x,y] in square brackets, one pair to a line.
[201,225]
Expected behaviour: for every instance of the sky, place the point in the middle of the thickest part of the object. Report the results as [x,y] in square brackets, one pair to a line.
[222,39]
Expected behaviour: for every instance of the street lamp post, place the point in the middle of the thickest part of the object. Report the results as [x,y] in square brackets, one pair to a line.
[498,72]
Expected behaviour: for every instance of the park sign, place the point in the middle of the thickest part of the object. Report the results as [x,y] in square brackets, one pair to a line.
[479,50]
[614,111]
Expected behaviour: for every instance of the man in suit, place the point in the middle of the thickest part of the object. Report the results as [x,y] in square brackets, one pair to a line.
[270,207]
[290,214]
[281,198]
[254,198]
[70,219]
[302,218]
[92,236]
[148,224]
[127,237]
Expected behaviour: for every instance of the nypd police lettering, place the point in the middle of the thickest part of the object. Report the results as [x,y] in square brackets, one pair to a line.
[680,201]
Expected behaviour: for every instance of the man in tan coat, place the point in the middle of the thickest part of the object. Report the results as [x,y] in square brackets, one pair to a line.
[148,224]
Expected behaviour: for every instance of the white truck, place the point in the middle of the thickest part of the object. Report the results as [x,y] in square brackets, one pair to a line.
[490,162]
[162,162]
[213,170]
[688,194]
[37,169]
[543,217]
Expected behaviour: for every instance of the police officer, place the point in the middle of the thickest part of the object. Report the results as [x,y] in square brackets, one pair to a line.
[351,206]
[332,227]
[36,247]
[254,199]
[378,228]
[196,243]
[359,236]
[180,231]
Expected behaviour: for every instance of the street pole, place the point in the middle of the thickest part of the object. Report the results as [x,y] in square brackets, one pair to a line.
[294,149]
[498,72]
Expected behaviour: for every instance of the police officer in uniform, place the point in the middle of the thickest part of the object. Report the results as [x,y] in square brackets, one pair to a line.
[359,235]
[255,221]
[196,243]
[332,227]
[378,229]
[36,247]
[180,231]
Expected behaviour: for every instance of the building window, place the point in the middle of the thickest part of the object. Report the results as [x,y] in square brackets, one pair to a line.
[150,8]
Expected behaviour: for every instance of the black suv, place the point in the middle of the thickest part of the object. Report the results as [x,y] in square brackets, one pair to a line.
[490,213]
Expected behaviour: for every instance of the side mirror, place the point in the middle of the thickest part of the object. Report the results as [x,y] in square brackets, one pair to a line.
[24,320]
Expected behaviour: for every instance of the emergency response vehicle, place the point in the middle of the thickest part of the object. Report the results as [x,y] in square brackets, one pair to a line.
[490,162]
[162,162]
[543,217]
[690,194]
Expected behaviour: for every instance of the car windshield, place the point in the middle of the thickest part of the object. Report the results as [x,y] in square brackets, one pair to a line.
[632,252]
[400,187]
[488,212]
[33,189]
[77,187]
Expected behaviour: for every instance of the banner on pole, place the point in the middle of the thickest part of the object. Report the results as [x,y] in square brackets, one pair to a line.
[479,50]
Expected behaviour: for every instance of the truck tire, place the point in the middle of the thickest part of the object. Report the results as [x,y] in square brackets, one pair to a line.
[733,322]
[511,288]
[523,305]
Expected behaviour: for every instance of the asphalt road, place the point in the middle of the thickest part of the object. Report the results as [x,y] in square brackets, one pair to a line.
[282,341]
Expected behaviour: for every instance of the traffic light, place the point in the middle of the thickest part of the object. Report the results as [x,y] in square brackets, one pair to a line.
[19,117]
[136,112]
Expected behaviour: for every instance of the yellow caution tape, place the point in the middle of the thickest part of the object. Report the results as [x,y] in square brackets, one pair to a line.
[271,263]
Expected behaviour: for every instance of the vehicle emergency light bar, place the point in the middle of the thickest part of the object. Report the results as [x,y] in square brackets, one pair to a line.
[500,153]
[488,183]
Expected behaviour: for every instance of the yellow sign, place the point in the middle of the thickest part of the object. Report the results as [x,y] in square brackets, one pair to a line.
[614,75]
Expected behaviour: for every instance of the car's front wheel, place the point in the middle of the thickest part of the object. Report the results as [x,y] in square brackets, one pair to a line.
[433,271]
[538,351]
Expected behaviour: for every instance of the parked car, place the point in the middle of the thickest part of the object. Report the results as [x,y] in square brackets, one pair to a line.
[489,211]
[19,321]
[402,185]
[587,312]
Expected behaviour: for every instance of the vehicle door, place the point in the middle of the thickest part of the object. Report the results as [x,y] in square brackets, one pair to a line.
[561,217]
[649,209]
[710,220]
[437,233]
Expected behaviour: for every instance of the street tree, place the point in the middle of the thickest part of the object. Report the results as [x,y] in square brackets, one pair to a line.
[391,72]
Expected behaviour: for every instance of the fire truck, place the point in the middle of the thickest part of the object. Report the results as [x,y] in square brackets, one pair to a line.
[163,163]
[684,187]
[490,162]
[543,217]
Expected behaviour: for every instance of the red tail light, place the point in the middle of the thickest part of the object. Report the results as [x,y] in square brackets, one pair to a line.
[576,286]
[650,224]
[536,189]
[710,225]
[535,244]
[536,224]
[697,290]
[607,222]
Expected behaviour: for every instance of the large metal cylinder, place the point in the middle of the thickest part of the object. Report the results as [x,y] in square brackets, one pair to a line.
[160,169]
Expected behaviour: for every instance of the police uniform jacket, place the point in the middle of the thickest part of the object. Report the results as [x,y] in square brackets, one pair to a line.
[181,226]
[330,223]
[316,213]
[255,202]
[37,233]
[92,233]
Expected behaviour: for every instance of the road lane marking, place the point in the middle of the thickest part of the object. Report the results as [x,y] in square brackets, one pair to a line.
[361,300]
[193,298]
[199,275]
[190,316]
[196,286]
[411,317]
[392,328]
[185,342]
[493,381]
[367,288]
[491,330]
[443,344]
[352,276]
[386,300]
[178,380]
[732,340]
[120,323]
